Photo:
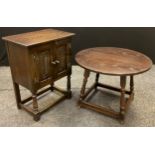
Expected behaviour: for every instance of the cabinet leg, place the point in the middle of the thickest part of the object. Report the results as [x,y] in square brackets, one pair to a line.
[52,85]
[35,103]
[36,117]
[69,95]
[85,80]
[17,95]
[122,99]
[97,79]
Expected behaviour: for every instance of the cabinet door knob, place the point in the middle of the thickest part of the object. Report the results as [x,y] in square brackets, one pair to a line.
[53,62]
[57,61]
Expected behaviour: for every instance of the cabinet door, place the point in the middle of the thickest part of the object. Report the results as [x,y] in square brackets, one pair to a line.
[43,68]
[61,52]
[44,64]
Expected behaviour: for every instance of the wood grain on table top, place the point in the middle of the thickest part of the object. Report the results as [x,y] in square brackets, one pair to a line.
[37,37]
[113,61]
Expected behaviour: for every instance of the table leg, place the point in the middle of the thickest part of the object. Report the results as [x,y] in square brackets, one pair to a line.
[97,79]
[122,99]
[17,94]
[132,86]
[86,76]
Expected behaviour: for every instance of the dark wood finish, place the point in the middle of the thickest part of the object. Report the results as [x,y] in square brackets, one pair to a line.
[122,99]
[38,59]
[97,79]
[17,95]
[100,109]
[132,84]
[35,103]
[39,93]
[125,102]
[69,86]
[86,75]
[89,91]
[38,37]
[111,61]
[113,88]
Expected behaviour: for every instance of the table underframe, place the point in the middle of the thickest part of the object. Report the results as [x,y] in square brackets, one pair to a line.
[124,102]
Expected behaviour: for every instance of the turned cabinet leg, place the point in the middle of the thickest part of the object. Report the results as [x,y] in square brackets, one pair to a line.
[17,95]
[97,79]
[69,86]
[35,103]
[132,86]
[86,76]
[36,117]
[122,99]
[52,85]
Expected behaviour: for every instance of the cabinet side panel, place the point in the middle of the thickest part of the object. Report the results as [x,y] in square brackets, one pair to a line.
[19,63]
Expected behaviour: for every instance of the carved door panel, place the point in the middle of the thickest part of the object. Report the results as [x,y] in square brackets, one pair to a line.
[43,56]
[61,58]
[44,65]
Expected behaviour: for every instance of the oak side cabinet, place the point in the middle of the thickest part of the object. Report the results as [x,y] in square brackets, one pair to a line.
[38,59]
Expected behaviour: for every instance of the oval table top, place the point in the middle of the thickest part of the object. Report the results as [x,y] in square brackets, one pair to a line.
[113,61]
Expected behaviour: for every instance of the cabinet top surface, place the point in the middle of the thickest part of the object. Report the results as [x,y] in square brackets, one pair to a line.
[113,61]
[37,37]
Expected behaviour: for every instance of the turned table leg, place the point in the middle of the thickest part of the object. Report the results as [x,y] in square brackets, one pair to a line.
[132,86]
[17,94]
[97,80]
[86,76]
[122,99]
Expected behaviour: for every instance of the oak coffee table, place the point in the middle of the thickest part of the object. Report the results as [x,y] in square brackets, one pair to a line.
[116,62]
